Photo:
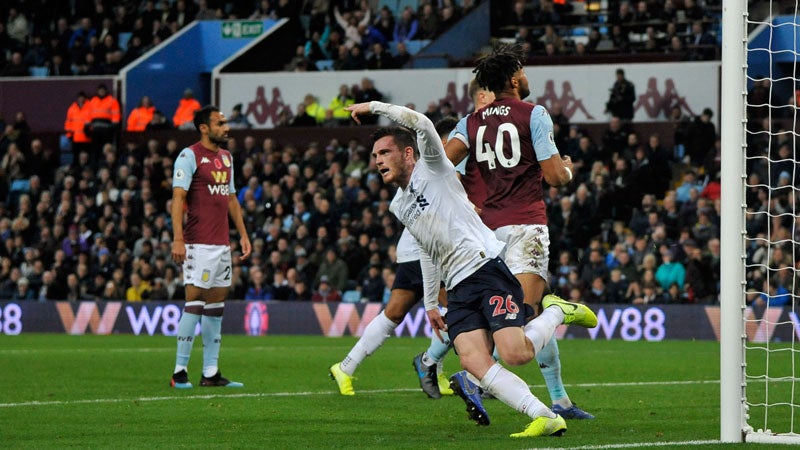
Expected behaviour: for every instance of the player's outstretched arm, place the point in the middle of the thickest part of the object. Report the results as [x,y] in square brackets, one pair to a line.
[430,145]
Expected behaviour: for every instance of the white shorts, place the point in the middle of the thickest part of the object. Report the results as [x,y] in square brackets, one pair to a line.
[207,266]
[527,248]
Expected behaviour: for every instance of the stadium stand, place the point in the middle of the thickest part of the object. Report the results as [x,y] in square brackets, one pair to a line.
[85,214]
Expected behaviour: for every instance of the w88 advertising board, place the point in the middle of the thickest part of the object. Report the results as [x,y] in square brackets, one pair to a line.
[626,322]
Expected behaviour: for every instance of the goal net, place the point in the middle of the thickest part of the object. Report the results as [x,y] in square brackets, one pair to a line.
[760,223]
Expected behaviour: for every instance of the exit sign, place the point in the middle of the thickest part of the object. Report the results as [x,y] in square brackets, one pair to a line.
[242,29]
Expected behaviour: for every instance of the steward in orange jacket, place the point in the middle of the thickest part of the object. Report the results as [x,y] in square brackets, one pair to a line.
[104,107]
[184,115]
[105,121]
[141,116]
[77,120]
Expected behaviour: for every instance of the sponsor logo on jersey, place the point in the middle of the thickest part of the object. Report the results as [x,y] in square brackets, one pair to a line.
[217,164]
[219,189]
[219,177]
[422,202]
[225,161]
[204,160]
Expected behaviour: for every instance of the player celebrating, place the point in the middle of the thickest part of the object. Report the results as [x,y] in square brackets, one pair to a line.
[203,186]
[511,143]
[406,291]
[484,298]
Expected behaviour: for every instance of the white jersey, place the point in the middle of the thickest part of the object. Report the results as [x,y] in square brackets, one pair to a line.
[434,206]
[407,248]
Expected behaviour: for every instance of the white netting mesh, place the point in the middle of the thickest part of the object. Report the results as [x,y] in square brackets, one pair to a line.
[772,224]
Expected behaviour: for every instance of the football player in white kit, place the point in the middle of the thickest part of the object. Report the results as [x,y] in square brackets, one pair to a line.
[484,298]
[407,290]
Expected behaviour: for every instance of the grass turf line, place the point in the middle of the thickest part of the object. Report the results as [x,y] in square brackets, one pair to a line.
[112,391]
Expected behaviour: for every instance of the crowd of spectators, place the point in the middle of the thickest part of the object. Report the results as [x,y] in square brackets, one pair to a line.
[102,36]
[639,224]
[687,29]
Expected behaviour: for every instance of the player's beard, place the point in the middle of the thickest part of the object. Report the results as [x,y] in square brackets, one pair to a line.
[219,140]
[524,92]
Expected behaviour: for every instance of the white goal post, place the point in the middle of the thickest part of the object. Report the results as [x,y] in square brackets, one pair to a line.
[750,409]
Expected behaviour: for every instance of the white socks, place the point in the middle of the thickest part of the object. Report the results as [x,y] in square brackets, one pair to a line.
[514,392]
[541,329]
[375,334]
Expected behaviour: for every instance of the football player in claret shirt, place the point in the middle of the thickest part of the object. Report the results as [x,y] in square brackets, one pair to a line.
[202,187]
[511,142]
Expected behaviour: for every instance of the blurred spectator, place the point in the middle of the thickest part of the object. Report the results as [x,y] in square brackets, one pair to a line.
[617,287]
[702,45]
[302,119]
[372,285]
[313,108]
[237,120]
[141,116]
[23,291]
[670,271]
[315,48]
[385,23]
[379,58]
[622,97]
[325,292]
[104,120]
[700,276]
[337,105]
[184,113]
[299,62]
[407,27]
[334,269]
[159,121]
[139,289]
[352,59]
[428,22]
[353,23]
[17,67]
[259,289]
[773,294]
[300,292]
[368,93]
[401,56]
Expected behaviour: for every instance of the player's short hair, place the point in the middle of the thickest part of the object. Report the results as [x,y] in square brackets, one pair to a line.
[473,89]
[445,126]
[494,70]
[203,116]
[402,136]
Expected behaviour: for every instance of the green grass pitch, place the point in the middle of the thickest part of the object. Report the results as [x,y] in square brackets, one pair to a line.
[59,391]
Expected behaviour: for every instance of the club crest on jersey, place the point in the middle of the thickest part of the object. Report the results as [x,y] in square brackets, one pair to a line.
[225,161]
[206,275]
[217,164]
